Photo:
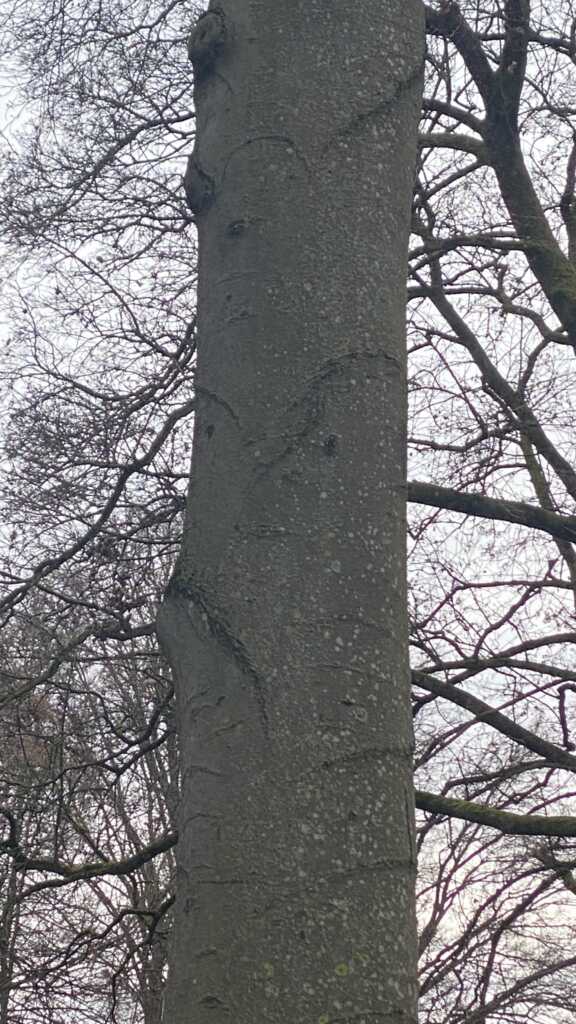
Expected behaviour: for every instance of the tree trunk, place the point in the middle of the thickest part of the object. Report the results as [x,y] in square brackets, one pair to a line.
[285,621]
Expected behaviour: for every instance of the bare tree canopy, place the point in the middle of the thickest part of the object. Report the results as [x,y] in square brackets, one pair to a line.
[98,374]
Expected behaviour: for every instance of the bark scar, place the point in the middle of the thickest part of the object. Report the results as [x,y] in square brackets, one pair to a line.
[199,187]
[364,118]
[206,42]
[224,635]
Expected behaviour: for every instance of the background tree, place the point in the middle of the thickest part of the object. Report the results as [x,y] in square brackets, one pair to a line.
[97,371]
[94,468]
[493,370]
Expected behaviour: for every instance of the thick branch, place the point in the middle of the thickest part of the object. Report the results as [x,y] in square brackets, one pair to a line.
[503,821]
[77,872]
[453,140]
[568,205]
[484,713]
[455,113]
[501,93]
[450,24]
[519,512]
[510,76]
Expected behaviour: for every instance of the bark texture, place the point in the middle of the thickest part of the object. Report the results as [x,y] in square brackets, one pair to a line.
[285,621]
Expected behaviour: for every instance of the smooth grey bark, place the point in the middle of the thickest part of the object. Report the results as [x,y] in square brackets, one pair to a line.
[285,621]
